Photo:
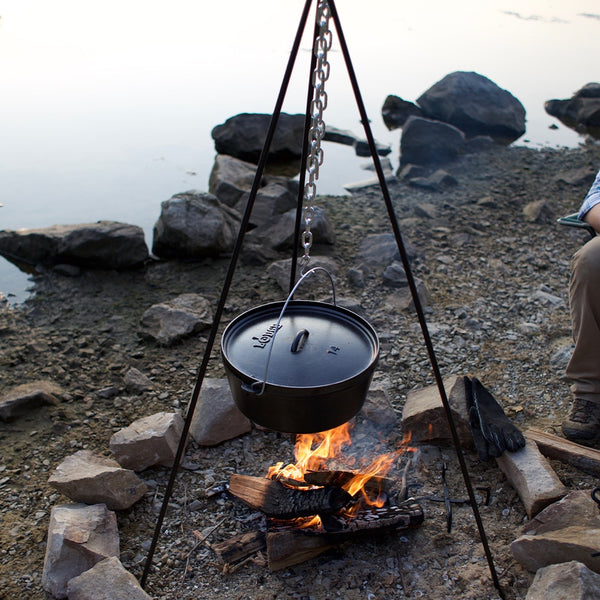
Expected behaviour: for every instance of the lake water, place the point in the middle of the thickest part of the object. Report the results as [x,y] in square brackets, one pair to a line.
[107,107]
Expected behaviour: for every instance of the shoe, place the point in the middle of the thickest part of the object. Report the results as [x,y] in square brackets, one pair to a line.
[583,423]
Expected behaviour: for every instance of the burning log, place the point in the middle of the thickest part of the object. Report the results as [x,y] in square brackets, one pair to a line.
[341,478]
[276,500]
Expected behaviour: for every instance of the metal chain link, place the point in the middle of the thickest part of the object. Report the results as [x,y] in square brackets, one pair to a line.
[317,126]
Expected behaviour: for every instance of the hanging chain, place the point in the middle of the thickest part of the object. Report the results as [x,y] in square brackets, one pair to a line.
[317,126]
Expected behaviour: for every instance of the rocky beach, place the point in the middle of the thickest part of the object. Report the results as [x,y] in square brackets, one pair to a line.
[495,265]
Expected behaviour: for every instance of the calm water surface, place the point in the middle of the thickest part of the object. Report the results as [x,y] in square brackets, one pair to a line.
[107,107]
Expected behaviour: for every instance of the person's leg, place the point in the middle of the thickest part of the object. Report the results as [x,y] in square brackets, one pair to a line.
[583,423]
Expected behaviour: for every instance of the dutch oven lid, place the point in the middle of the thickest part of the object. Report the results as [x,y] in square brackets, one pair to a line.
[317,344]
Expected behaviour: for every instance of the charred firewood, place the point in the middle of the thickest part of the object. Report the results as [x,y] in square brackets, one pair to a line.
[276,500]
[288,545]
[240,547]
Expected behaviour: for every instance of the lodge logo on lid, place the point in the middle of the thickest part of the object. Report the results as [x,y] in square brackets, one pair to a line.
[266,337]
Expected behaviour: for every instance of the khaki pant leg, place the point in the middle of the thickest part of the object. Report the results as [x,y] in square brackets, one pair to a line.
[584,296]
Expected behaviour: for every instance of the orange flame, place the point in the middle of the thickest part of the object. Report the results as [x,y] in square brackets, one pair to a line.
[313,450]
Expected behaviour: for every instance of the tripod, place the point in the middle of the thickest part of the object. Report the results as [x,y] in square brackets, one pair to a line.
[329,6]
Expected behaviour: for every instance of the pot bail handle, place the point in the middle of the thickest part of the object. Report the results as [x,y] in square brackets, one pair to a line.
[258,387]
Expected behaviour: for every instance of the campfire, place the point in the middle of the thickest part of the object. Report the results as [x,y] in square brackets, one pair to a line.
[322,500]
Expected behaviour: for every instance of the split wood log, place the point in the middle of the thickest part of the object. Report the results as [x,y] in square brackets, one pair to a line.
[275,500]
[552,446]
[237,549]
[288,546]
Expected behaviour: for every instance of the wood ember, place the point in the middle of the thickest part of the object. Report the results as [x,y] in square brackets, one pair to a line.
[276,500]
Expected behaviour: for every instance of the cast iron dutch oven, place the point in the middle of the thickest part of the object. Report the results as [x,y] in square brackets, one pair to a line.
[300,366]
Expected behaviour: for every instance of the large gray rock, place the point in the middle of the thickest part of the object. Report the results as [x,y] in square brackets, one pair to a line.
[22,399]
[217,418]
[565,581]
[194,225]
[148,441]
[173,320]
[94,479]
[230,178]
[381,249]
[396,111]
[581,111]
[280,271]
[243,136]
[424,415]
[576,508]
[102,245]
[475,105]
[429,142]
[578,543]
[271,201]
[278,232]
[79,536]
[107,580]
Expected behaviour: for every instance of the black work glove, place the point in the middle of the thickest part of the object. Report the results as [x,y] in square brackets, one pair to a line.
[483,447]
[487,418]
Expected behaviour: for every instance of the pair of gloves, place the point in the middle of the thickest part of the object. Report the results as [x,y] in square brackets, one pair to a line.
[493,432]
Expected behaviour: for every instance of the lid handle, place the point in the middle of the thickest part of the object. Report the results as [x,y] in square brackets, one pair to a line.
[299,340]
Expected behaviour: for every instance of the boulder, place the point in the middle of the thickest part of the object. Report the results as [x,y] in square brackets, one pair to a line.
[217,418]
[577,542]
[424,415]
[576,508]
[475,105]
[565,581]
[79,536]
[107,580]
[280,271]
[173,320]
[438,181]
[22,399]
[278,232]
[271,201]
[94,479]
[429,142]
[243,136]
[396,111]
[149,441]
[381,249]
[101,245]
[231,178]
[194,225]
[580,112]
